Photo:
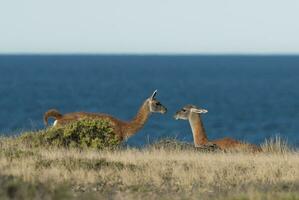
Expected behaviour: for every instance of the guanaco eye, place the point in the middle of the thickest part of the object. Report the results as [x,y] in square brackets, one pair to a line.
[158,103]
[184,110]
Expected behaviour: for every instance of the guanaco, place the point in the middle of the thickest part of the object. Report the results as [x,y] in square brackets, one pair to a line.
[192,113]
[123,129]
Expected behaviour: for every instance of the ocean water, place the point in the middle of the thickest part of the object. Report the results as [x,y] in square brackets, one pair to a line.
[249,98]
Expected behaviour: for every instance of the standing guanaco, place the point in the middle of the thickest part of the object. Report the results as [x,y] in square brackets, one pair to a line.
[123,129]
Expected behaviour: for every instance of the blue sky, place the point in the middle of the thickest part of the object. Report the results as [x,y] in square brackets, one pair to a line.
[152,26]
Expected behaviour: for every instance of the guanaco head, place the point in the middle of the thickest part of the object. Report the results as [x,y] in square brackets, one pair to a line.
[155,105]
[187,111]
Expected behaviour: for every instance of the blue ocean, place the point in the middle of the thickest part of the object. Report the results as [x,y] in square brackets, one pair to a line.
[251,98]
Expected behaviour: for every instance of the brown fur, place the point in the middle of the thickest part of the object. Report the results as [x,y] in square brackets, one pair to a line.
[200,137]
[229,143]
[51,113]
[198,130]
[121,128]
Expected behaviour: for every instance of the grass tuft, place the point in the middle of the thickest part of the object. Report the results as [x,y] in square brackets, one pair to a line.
[171,144]
[276,145]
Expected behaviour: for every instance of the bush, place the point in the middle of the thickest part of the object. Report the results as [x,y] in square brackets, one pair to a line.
[83,134]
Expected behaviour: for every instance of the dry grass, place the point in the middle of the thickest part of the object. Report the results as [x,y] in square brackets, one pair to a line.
[155,173]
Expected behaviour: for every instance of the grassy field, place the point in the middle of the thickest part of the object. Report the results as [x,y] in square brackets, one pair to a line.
[149,173]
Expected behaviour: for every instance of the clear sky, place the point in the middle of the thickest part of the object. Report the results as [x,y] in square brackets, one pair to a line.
[149,26]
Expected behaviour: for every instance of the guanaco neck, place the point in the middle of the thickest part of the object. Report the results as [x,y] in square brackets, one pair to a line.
[130,128]
[198,130]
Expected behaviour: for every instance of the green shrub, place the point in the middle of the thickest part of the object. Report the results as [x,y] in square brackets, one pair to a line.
[85,133]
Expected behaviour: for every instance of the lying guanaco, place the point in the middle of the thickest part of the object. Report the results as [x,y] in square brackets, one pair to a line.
[122,128]
[192,113]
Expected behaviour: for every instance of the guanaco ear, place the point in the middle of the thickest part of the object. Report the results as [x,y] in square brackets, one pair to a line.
[154,94]
[196,110]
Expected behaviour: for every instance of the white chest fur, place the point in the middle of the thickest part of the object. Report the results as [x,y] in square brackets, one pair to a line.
[55,122]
